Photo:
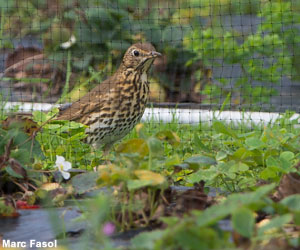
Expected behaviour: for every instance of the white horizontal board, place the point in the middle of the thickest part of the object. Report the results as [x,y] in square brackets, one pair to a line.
[183,116]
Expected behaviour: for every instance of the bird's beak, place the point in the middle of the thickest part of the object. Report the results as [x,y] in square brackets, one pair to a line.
[155,54]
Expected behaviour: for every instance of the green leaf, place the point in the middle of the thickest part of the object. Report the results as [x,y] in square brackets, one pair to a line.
[36,149]
[287,155]
[97,14]
[195,239]
[252,199]
[173,160]
[183,166]
[22,155]
[292,202]
[170,221]
[221,155]
[276,222]
[242,153]
[20,138]
[53,127]
[155,146]
[268,173]
[200,160]
[285,165]
[39,117]
[254,143]
[11,172]
[297,218]
[221,128]
[84,182]
[199,144]
[134,146]
[137,184]
[214,213]
[239,167]
[202,174]
[243,222]
[272,162]
[169,136]
[262,191]
[146,241]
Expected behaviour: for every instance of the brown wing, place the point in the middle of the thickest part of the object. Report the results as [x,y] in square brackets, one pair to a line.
[88,103]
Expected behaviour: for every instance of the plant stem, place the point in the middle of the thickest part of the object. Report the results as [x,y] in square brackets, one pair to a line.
[25,79]
[1,27]
[67,83]
[225,183]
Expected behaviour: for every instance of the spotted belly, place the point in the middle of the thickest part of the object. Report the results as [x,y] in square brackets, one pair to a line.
[112,130]
[114,122]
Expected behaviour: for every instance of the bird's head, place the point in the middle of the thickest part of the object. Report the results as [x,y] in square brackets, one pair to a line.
[140,56]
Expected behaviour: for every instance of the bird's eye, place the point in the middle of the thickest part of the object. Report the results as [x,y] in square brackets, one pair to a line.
[135,53]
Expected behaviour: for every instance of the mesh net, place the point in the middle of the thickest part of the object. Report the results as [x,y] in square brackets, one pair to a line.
[236,56]
[199,152]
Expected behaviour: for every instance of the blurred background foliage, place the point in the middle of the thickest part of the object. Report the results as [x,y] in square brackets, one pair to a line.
[195,37]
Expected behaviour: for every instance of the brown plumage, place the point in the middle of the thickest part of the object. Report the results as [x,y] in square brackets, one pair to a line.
[117,104]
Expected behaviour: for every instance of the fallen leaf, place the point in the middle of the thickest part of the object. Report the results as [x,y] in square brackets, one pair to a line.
[146,175]
[50,186]
[18,170]
[132,146]
[169,136]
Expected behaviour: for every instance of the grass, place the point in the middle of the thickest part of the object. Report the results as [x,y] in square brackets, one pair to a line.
[232,158]
[67,82]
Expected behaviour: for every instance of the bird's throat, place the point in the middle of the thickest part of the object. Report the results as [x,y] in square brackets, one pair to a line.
[144,78]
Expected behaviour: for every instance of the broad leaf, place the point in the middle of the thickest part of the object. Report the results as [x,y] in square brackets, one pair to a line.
[137,184]
[198,161]
[134,146]
[84,182]
[292,202]
[222,128]
[168,136]
[146,175]
[254,143]
[276,222]
[243,222]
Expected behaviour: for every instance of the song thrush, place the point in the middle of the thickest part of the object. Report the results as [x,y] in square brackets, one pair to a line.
[115,106]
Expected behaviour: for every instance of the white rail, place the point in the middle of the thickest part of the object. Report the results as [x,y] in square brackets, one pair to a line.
[184,116]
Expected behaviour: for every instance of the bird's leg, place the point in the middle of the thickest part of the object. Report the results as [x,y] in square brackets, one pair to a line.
[106,150]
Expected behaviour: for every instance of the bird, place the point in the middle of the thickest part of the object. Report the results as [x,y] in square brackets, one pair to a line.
[113,108]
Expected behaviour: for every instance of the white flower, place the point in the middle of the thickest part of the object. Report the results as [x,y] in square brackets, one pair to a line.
[63,166]
[68,44]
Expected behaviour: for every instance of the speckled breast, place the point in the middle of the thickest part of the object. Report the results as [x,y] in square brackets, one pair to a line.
[123,113]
